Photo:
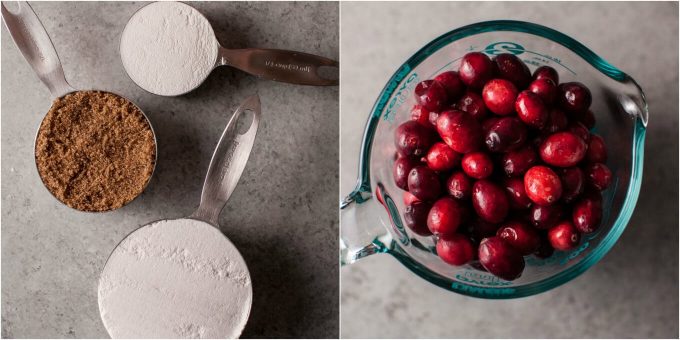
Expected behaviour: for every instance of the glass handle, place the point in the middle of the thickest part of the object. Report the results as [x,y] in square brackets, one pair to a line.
[359,228]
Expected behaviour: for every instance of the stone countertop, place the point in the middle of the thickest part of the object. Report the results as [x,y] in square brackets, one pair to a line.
[633,291]
[282,216]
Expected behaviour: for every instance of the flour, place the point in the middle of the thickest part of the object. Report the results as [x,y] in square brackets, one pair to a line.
[175,279]
[168,48]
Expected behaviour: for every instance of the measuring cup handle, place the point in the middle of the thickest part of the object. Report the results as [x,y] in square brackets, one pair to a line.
[32,40]
[280,65]
[228,161]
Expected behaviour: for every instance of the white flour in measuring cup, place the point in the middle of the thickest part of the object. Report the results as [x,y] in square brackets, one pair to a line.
[175,279]
[168,48]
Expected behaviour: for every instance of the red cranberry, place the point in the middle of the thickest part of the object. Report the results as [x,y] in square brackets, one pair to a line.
[459,130]
[547,72]
[587,214]
[431,95]
[477,165]
[580,130]
[413,139]
[452,84]
[499,96]
[531,110]
[563,149]
[500,258]
[597,150]
[401,169]
[574,97]
[517,162]
[599,176]
[544,89]
[520,236]
[542,185]
[509,67]
[445,216]
[572,183]
[517,196]
[489,122]
[424,183]
[557,122]
[459,185]
[545,249]
[421,115]
[564,236]
[415,218]
[473,104]
[455,249]
[441,157]
[587,118]
[475,69]
[545,216]
[409,198]
[489,201]
[508,133]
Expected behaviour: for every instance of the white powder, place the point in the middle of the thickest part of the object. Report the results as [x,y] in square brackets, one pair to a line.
[175,279]
[168,48]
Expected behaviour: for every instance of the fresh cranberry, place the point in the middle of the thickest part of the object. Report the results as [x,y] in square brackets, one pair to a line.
[564,236]
[558,121]
[517,196]
[520,236]
[587,118]
[574,97]
[509,67]
[473,104]
[544,89]
[424,183]
[421,115]
[455,249]
[542,185]
[547,72]
[597,150]
[500,258]
[572,183]
[563,149]
[475,69]
[489,122]
[415,218]
[452,84]
[580,130]
[599,176]
[413,139]
[409,198]
[545,216]
[459,185]
[401,169]
[508,133]
[517,162]
[445,216]
[587,214]
[531,109]
[441,157]
[499,96]
[545,249]
[431,95]
[459,130]
[477,165]
[489,201]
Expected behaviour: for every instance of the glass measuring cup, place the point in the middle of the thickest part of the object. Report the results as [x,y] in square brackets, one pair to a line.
[371,218]
[175,306]
[159,62]
[35,45]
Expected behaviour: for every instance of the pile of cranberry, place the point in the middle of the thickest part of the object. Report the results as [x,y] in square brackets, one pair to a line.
[499,164]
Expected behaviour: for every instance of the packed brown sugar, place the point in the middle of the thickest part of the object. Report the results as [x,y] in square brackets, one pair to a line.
[95,150]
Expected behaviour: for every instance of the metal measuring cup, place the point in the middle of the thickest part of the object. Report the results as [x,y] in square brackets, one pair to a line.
[35,45]
[183,305]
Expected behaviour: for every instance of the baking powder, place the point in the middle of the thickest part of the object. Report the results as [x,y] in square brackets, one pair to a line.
[175,279]
[168,48]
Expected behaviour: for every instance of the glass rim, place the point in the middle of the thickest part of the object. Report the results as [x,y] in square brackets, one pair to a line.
[596,254]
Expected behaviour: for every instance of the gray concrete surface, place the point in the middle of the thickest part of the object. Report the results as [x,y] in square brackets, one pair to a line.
[633,291]
[282,216]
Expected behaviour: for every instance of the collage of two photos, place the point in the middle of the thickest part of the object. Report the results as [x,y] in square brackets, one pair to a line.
[339,169]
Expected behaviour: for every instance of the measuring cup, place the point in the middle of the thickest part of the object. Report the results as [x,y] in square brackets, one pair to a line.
[34,43]
[164,280]
[158,76]
[373,224]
